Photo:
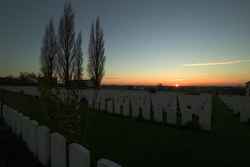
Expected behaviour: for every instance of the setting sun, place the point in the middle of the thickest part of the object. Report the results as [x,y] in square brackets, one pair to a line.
[177,85]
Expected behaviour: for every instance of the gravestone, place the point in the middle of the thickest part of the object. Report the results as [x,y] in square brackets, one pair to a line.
[58,150]
[110,106]
[15,121]
[19,124]
[126,111]
[8,116]
[25,129]
[171,109]
[146,104]
[78,156]
[187,107]
[11,119]
[43,144]
[102,106]
[117,104]
[157,108]
[245,107]
[135,107]
[107,163]
[33,137]
[4,108]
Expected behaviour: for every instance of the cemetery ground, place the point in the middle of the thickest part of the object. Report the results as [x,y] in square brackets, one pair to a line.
[132,142]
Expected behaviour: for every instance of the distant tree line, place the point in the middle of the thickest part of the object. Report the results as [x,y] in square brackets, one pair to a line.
[24,78]
[61,52]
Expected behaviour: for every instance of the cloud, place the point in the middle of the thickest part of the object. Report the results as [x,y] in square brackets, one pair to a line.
[217,63]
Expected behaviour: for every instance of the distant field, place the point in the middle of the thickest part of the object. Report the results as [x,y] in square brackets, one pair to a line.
[135,143]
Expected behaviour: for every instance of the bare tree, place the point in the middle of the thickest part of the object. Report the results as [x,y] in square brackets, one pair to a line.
[96,54]
[78,57]
[48,51]
[66,41]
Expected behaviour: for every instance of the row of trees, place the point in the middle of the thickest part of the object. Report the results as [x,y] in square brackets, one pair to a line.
[61,52]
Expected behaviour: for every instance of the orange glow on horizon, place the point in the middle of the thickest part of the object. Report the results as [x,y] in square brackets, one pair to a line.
[192,81]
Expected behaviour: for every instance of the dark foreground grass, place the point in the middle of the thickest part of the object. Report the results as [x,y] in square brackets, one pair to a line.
[134,143]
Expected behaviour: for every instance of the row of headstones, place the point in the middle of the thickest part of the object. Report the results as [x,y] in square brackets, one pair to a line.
[49,148]
[162,108]
[198,105]
[238,104]
[159,109]
[29,90]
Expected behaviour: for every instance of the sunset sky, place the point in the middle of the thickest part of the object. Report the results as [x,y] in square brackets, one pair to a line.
[185,42]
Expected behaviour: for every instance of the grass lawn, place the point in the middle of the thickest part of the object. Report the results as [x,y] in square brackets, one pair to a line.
[134,143]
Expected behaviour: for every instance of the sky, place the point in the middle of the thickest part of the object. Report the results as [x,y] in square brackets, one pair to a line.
[185,42]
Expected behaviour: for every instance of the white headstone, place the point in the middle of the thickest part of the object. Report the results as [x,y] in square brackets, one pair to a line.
[186,109]
[126,111]
[157,109]
[25,129]
[78,156]
[15,121]
[146,104]
[19,124]
[43,142]
[107,163]
[110,106]
[5,113]
[9,117]
[12,119]
[245,107]
[103,101]
[171,109]
[135,107]
[58,150]
[117,105]
[33,137]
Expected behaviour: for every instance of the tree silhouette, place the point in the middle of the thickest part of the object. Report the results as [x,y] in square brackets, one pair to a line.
[78,57]
[48,52]
[96,54]
[66,42]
